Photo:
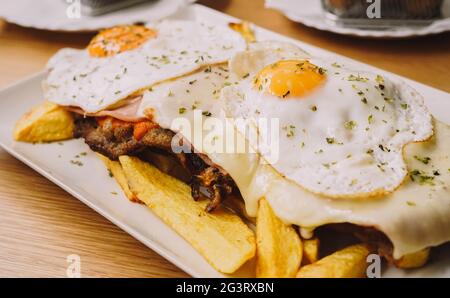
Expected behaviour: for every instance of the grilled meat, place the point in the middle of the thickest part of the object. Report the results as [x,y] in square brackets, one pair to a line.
[113,138]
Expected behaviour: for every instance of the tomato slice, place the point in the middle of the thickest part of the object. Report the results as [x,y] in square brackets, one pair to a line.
[139,128]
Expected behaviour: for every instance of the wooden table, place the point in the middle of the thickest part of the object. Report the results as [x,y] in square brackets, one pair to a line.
[40,224]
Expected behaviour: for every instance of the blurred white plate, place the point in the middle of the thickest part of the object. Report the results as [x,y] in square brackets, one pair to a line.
[92,185]
[58,15]
[310,14]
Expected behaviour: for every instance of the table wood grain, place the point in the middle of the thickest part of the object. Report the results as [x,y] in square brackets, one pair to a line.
[40,224]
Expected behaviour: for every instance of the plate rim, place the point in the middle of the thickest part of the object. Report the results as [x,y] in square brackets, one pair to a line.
[381,34]
[84,27]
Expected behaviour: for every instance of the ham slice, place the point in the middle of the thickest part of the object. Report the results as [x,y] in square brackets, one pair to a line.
[127,112]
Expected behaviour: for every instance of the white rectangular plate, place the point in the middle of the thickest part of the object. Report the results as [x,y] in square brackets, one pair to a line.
[83,182]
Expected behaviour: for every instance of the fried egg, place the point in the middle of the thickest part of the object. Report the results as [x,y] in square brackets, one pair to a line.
[414,217]
[182,97]
[191,107]
[341,131]
[123,60]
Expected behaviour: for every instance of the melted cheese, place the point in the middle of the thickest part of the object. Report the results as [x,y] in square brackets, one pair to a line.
[415,216]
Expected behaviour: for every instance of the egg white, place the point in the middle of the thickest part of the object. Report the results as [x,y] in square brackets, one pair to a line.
[181,97]
[342,140]
[414,217]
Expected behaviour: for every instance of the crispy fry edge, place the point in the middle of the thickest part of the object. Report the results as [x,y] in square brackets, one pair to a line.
[221,237]
[349,262]
[116,171]
[46,122]
[413,260]
[279,247]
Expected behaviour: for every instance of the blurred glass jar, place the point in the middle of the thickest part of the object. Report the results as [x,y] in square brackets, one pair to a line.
[390,9]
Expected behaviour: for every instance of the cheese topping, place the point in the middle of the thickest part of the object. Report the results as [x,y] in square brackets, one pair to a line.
[415,216]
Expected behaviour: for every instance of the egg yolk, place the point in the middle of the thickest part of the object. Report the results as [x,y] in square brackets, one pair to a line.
[289,78]
[119,39]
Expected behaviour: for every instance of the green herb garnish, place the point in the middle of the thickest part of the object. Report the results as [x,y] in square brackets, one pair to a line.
[350,124]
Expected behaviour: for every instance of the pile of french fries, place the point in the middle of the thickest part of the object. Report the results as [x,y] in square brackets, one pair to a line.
[221,237]
[227,243]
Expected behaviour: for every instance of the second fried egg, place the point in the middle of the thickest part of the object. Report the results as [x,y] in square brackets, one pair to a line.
[341,131]
[123,60]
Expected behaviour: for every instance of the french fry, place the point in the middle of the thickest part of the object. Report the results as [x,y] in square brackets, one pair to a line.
[413,260]
[310,251]
[46,122]
[349,262]
[220,237]
[279,247]
[116,170]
